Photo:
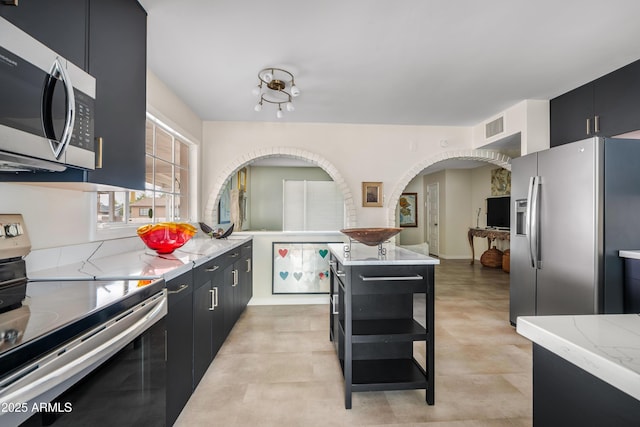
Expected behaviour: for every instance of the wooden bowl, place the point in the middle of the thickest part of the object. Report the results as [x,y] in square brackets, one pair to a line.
[371,236]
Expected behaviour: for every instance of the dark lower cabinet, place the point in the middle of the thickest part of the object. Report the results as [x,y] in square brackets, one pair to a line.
[565,395]
[179,344]
[246,273]
[208,317]
[222,288]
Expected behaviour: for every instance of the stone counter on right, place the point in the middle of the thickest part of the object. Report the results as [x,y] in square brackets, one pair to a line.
[586,369]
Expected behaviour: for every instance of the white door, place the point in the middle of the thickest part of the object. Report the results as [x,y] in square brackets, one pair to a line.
[433,207]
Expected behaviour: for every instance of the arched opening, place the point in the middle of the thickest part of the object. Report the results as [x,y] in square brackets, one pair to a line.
[447,191]
[211,213]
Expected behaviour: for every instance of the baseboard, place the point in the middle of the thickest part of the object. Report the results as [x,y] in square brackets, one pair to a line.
[290,300]
[441,256]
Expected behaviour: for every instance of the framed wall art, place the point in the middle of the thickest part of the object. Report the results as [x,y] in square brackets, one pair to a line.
[372,194]
[300,268]
[408,210]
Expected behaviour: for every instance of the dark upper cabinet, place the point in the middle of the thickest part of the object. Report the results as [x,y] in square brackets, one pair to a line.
[617,101]
[117,59]
[570,114]
[607,107]
[59,24]
[114,37]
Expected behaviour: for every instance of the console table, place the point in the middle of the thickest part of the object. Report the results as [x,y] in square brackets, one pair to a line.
[490,233]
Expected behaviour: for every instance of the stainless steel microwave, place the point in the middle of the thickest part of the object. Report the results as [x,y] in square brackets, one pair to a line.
[46,107]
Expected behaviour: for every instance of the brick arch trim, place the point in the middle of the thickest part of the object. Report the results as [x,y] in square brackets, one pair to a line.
[488,156]
[211,208]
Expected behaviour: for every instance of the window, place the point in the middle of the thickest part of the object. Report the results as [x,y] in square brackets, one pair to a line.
[167,186]
[312,206]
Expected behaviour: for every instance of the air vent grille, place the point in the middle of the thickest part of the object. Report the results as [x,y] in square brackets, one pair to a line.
[494,127]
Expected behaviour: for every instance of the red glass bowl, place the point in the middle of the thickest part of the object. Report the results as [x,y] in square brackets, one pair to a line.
[166,237]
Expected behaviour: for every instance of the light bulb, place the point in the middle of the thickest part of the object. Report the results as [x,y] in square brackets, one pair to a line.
[290,106]
[267,77]
[258,106]
[295,91]
[279,114]
[256,90]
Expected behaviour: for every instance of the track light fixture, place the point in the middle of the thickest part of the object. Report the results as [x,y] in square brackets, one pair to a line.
[276,86]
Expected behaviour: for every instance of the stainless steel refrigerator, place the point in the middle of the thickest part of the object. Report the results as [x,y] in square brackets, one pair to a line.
[573,208]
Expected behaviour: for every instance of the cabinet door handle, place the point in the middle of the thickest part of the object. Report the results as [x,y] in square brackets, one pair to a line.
[235,277]
[234,255]
[249,265]
[212,269]
[588,126]
[389,278]
[214,298]
[596,124]
[180,289]
[334,305]
[340,273]
[99,153]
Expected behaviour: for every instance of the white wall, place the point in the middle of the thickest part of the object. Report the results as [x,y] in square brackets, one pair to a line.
[359,152]
[530,118]
[456,207]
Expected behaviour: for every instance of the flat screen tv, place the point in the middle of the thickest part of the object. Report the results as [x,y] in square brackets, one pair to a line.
[498,212]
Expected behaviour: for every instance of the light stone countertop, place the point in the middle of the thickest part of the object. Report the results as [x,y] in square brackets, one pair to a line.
[360,254]
[606,345]
[136,262]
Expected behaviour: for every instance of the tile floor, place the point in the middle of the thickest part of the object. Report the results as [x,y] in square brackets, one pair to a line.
[278,367]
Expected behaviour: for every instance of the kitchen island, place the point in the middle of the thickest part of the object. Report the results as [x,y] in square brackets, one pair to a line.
[372,319]
[586,369]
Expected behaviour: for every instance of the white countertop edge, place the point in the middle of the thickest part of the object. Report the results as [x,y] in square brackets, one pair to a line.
[368,255]
[633,254]
[609,371]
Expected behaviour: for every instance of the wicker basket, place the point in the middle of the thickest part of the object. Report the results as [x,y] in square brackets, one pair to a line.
[492,258]
[506,261]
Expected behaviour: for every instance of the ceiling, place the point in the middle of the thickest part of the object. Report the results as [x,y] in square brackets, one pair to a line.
[407,62]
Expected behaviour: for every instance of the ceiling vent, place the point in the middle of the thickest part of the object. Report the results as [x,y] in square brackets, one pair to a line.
[493,128]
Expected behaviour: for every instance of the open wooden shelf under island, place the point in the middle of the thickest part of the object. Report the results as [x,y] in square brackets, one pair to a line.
[372,318]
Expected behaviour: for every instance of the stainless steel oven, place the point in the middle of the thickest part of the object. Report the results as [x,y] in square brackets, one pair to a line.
[78,352]
[105,368]
[47,108]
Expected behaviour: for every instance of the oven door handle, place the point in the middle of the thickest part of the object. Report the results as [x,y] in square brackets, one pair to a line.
[58,71]
[65,366]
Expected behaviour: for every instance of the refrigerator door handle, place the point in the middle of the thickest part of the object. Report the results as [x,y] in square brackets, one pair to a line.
[534,237]
[528,221]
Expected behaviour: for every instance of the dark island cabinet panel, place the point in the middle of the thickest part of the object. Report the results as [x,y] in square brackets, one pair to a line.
[605,107]
[59,24]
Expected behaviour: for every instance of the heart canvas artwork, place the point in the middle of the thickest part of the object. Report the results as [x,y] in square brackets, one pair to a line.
[300,268]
